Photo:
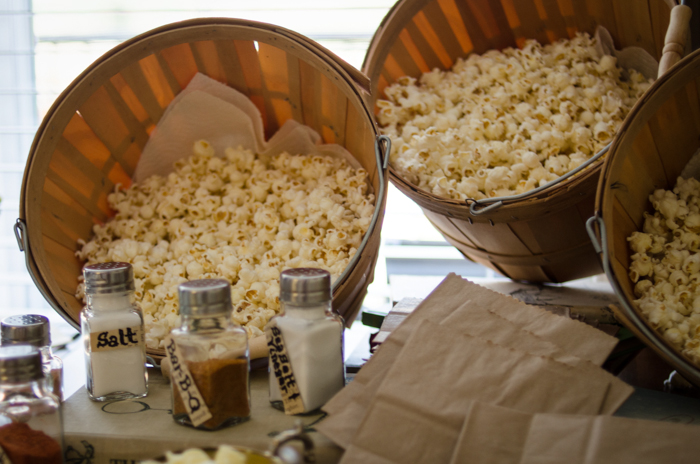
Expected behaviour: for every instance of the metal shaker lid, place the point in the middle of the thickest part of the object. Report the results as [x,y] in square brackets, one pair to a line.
[104,278]
[32,329]
[20,363]
[205,297]
[305,286]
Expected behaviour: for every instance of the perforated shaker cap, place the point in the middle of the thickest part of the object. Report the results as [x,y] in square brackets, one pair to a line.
[104,278]
[305,286]
[205,297]
[20,363]
[25,328]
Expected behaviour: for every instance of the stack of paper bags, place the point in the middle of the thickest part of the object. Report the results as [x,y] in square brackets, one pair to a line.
[464,358]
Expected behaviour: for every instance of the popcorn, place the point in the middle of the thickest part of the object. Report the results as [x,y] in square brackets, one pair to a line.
[238,218]
[225,454]
[511,120]
[666,266]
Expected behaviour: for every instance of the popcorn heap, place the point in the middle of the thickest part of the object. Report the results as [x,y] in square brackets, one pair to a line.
[238,218]
[666,266]
[225,454]
[506,122]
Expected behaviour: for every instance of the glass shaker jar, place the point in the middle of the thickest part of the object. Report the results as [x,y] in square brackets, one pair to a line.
[209,359]
[305,343]
[113,334]
[31,428]
[33,329]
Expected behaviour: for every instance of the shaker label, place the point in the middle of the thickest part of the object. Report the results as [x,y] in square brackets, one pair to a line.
[180,375]
[116,339]
[282,367]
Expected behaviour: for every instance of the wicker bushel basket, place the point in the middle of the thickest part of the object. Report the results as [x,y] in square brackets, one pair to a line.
[93,135]
[653,145]
[540,237]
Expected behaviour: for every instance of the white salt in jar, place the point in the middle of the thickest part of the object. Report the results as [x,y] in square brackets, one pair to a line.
[305,342]
[113,334]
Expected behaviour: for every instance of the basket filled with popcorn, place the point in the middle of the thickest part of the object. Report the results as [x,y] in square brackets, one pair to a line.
[647,220]
[500,115]
[209,148]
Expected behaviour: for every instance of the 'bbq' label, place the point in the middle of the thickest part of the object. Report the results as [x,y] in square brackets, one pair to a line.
[116,339]
[180,376]
[282,367]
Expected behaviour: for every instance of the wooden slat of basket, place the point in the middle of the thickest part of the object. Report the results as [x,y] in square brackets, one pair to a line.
[72,181]
[556,19]
[670,121]
[521,272]
[101,115]
[57,230]
[530,24]
[80,136]
[356,143]
[631,19]
[428,40]
[559,231]
[206,56]
[310,95]
[250,64]
[181,63]
[489,237]
[453,16]
[138,115]
[136,80]
[446,227]
[231,64]
[296,87]
[276,84]
[640,176]
[334,114]
[65,264]
[145,94]
[439,22]
[479,36]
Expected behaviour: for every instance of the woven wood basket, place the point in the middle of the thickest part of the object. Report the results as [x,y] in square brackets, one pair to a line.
[541,238]
[92,137]
[656,141]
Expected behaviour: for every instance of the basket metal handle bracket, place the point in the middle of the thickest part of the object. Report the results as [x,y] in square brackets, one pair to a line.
[591,234]
[495,203]
[21,235]
[382,157]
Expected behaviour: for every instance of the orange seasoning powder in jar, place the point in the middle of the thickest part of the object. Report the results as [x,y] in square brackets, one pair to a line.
[223,384]
[209,359]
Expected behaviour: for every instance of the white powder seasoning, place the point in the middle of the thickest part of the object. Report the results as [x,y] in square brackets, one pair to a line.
[306,341]
[112,332]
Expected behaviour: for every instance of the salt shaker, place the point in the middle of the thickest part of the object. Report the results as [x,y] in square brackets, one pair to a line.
[113,334]
[209,359]
[33,329]
[305,343]
[31,428]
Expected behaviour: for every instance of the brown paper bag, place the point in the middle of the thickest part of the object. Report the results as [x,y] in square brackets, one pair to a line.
[342,423]
[473,318]
[348,407]
[425,396]
[496,435]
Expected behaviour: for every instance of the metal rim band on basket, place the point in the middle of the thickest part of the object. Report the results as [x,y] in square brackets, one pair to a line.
[601,247]
[491,204]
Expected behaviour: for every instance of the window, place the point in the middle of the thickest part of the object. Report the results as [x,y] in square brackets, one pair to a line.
[45,44]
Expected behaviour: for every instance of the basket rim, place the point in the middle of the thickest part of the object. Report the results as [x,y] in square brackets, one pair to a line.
[678,72]
[354,81]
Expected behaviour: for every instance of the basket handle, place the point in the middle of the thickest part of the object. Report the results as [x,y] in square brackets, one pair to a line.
[676,37]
